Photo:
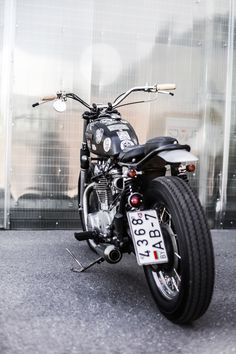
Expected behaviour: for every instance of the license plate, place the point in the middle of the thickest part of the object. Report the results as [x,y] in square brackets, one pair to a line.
[147,237]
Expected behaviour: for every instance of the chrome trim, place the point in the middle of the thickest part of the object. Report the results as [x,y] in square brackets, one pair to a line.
[85,203]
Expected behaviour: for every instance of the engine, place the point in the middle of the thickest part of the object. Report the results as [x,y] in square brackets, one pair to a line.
[107,191]
[104,193]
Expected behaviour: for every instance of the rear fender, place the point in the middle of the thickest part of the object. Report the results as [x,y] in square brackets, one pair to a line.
[177,156]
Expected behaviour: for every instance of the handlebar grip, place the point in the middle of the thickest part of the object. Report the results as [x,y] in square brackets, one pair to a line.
[49,98]
[35,104]
[166,87]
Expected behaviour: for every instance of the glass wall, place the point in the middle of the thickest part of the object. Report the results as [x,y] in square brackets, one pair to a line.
[3,186]
[229,214]
[49,42]
[100,49]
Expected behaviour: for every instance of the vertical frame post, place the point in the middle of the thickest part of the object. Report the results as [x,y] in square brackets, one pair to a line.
[228,109]
[6,95]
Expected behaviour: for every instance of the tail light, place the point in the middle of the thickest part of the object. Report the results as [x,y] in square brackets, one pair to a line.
[190,168]
[135,200]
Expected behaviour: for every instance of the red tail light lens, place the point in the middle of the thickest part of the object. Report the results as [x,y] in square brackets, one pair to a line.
[132,173]
[135,200]
[190,168]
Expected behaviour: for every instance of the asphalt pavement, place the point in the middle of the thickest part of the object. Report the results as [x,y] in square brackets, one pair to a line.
[47,309]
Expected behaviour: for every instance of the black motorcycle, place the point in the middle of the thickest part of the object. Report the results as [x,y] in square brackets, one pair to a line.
[136,199]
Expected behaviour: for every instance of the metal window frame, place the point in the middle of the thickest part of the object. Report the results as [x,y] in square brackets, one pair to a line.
[9,25]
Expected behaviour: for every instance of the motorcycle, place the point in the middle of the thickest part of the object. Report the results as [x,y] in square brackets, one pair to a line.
[136,199]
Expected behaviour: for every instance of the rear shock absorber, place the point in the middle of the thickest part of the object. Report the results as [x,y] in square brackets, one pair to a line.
[128,187]
[133,197]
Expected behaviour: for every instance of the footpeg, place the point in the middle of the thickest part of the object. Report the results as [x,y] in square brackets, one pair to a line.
[85,235]
[81,267]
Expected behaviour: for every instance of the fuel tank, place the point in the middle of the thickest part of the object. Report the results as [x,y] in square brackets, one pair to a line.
[109,134]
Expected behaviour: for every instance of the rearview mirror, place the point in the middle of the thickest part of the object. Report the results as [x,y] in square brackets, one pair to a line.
[59,106]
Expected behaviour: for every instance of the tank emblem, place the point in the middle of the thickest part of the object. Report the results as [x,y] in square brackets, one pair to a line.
[94,147]
[107,121]
[123,135]
[126,143]
[118,127]
[99,135]
[107,144]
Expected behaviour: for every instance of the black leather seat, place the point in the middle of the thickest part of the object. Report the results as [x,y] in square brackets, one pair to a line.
[132,152]
[157,142]
[139,151]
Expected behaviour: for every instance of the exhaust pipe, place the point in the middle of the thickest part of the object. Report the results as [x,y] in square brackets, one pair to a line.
[109,252]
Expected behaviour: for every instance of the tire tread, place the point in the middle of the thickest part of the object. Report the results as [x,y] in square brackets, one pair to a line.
[199,245]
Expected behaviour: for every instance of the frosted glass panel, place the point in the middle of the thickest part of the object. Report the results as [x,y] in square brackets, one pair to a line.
[99,49]
[230,213]
[51,39]
[2,149]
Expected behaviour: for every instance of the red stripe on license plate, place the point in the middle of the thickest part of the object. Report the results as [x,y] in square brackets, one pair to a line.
[155,254]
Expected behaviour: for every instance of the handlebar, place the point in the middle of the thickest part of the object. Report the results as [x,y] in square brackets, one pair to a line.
[159,88]
[44,100]
[166,87]
[49,98]
[154,88]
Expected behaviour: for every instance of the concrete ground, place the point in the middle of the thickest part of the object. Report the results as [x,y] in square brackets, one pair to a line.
[47,309]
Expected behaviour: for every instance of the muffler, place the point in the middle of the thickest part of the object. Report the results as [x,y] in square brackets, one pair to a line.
[109,252]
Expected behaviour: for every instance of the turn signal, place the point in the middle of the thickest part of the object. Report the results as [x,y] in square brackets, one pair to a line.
[135,200]
[190,168]
[132,173]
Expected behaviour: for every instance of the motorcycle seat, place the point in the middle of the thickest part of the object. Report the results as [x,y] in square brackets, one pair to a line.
[137,152]
[157,142]
[132,152]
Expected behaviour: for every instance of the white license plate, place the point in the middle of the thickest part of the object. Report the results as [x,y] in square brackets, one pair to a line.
[147,237]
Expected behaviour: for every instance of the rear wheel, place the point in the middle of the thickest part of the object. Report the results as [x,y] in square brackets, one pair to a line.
[182,288]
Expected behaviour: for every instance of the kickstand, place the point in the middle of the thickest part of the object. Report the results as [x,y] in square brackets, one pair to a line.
[82,268]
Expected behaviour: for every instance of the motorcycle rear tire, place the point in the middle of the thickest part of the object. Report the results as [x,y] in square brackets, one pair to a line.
[191,258]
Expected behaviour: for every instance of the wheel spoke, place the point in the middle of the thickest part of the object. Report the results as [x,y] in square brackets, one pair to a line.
[164,283]
[165,217]
[162,214]
[177,255]
[177,275]
[162,277]
[175,285]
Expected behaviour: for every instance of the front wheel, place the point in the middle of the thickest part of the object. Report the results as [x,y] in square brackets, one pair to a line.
[182,288]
